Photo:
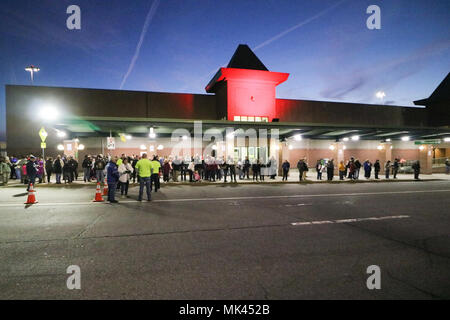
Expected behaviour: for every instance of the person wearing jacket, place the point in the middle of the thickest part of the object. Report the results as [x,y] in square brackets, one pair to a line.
[144,170]
[285,167]
[125,170]
[154,178]
[395,167]
[246,167]
[256,168]
[367,169]
[166,170]
[357,169]
[112,177]
[49,168]
[387,168]
[377,168]
[341,170]
[231,168]
[416,168]
[319,169]
[5,171]
[40,169]
[330,169]
[31,171]
[99,167]
[58,166]
[87,165]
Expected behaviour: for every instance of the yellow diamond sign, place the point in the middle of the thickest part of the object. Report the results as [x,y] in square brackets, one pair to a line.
[43,134]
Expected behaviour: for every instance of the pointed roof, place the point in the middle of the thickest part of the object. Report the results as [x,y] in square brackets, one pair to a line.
[244,58]
[441,93]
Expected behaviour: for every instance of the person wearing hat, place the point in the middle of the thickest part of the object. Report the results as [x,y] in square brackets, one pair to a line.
[31,171]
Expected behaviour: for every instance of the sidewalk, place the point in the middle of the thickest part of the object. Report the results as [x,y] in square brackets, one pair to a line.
[293,178]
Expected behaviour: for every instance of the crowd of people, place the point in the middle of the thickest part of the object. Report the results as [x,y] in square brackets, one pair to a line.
[31,169]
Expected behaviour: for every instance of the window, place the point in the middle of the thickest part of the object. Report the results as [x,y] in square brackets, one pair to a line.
[265,119]
[251,118]
[244,118]
[257,119]
[237,118]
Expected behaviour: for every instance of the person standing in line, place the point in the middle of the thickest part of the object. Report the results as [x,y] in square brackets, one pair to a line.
[231,168]
[31,171]
[58,166]
[144,171]
[224,167]
[341,170]
[351,168]
[300,168]
[5,171]
[305,168]
[125,170]
[285,167]
[99,166]
[49,168]
[166,170]
[40,169]
[256,167]
[154,178]
[377,168]
[395,168]
[357,169]
[387,168]
[74,167]
[330,169]
[112,177]
[416,168]
[246,167]
[367,169]
[319,169]
[86,165]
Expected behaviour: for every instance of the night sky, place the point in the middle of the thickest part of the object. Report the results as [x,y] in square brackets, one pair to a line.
[177,45]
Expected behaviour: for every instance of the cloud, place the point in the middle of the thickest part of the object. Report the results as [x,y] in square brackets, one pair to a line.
[147,22]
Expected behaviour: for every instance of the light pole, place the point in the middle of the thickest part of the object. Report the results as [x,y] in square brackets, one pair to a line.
[32,69]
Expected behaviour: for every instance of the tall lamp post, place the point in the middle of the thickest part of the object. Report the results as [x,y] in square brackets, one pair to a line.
[32,69]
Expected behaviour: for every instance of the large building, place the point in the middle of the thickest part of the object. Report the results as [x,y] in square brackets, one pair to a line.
[240,102]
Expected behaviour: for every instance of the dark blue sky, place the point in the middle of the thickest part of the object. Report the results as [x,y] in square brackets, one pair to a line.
[323,44]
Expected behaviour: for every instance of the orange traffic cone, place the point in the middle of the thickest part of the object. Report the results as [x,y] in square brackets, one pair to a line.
[98,194]
[31,196]
[105,188]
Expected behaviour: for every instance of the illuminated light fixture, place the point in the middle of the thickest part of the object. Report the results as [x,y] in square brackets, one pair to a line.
[380,94]
[421,148]
[60,147]
[81,147]
[230,135]
[160,147]
[48,113]
[184,137]
[214,147]
[447,139]
[152,148]
[345,139]
[388,140]
[355,138]
[143,147]
[380,147]
[61,134]
[32,69]
[290,147]
[332,147]
[405,138]
[344,147]
[77,140]
[152,134]
[298,137]
[128,137]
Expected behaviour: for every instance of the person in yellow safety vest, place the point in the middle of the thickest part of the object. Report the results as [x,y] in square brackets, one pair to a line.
[144,171]
[156,167]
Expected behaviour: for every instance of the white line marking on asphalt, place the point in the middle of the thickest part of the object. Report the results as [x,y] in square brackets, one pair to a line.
[348,220]
[233,198]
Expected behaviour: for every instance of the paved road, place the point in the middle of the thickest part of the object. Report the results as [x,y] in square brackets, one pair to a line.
[230,242]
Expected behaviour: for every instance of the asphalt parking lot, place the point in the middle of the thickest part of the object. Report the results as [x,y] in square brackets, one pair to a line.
[293,241]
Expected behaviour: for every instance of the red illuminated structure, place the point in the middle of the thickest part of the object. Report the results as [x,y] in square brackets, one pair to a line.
[246,87]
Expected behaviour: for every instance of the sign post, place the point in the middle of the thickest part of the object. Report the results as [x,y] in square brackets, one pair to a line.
[43,134]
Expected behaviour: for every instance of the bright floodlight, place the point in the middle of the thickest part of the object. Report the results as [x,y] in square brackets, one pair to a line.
[447,139]
[184,137]
[405,138]
[345,139]
[48,113]
[61,134]
[128,137]
[32,69]
[81,147]
[143,147]
[355,138]
[331,147]
[298,137]
[388,140]
[60,147]
[380,94]
[160,147]
[152,134]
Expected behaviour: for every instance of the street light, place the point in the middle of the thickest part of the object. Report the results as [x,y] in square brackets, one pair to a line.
[48,113]
[32,69]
